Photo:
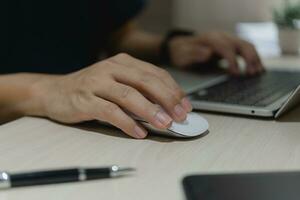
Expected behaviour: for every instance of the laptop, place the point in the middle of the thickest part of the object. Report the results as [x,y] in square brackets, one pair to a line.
[267,95]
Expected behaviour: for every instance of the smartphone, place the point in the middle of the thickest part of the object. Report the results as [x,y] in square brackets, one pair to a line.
[251,186]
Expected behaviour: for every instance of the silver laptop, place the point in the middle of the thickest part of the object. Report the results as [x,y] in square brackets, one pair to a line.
[268,95]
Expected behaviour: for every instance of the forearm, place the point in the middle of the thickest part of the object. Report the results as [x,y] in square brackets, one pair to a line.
[138,43]
[17,96]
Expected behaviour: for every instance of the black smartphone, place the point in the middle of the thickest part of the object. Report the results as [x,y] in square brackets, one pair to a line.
[252,186]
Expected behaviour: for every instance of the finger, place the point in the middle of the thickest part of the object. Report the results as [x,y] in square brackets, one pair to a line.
[249,53]
[111,113]
[224,47]
[163,76]
[228,52]
[154,88]
[133,101]
[176,90]
[132,62]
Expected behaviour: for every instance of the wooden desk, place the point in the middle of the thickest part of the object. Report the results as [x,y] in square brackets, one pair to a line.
[234,144]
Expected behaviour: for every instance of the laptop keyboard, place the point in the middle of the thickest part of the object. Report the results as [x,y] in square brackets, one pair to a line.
[259,91]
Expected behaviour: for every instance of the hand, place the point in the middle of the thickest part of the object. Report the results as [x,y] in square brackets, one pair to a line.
[187,50]
[107,90]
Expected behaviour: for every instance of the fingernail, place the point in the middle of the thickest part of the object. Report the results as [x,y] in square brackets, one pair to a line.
[140,133]
[186,104]
[179,111]
[163,118]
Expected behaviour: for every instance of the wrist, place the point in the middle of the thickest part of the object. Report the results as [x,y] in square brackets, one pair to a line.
[36,92]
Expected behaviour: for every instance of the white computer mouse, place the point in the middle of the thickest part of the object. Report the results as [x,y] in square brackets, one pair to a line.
[195,125]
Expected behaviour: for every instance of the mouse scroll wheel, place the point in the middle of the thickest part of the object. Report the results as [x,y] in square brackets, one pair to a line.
[202,93]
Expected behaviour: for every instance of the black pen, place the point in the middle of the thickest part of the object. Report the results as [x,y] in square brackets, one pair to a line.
[60,176]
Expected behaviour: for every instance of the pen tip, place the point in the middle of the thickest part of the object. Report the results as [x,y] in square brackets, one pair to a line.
[127,169]
[121,171]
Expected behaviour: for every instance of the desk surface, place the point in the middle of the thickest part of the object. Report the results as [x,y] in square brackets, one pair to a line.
[234,144]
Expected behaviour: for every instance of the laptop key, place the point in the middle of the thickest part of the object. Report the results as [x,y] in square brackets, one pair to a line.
[259,91]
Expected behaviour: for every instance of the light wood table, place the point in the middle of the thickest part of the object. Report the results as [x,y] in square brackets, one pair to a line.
[234,144]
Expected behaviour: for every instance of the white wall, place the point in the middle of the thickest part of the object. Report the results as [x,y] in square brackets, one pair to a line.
[161,15]
[220,14]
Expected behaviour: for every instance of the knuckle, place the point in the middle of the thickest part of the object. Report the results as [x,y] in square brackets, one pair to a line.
[163,72]
[108,63]
[146,78]
[117,59]
[126,92]
[178,95]
[99,66]
[172,100]
[123,56]
[110,109]
[91,83]
[149,111]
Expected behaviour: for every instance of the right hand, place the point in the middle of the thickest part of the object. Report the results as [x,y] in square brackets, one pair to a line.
[109,89]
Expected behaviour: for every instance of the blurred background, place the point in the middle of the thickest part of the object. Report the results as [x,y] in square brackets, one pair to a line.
[203,15]
[252,20]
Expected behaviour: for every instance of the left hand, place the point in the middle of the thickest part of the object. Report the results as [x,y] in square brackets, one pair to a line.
[187,50]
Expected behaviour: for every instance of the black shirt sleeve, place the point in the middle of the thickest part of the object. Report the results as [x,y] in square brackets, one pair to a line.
[58,36]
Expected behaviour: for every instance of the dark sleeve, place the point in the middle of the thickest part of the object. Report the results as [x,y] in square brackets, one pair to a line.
[124,10]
